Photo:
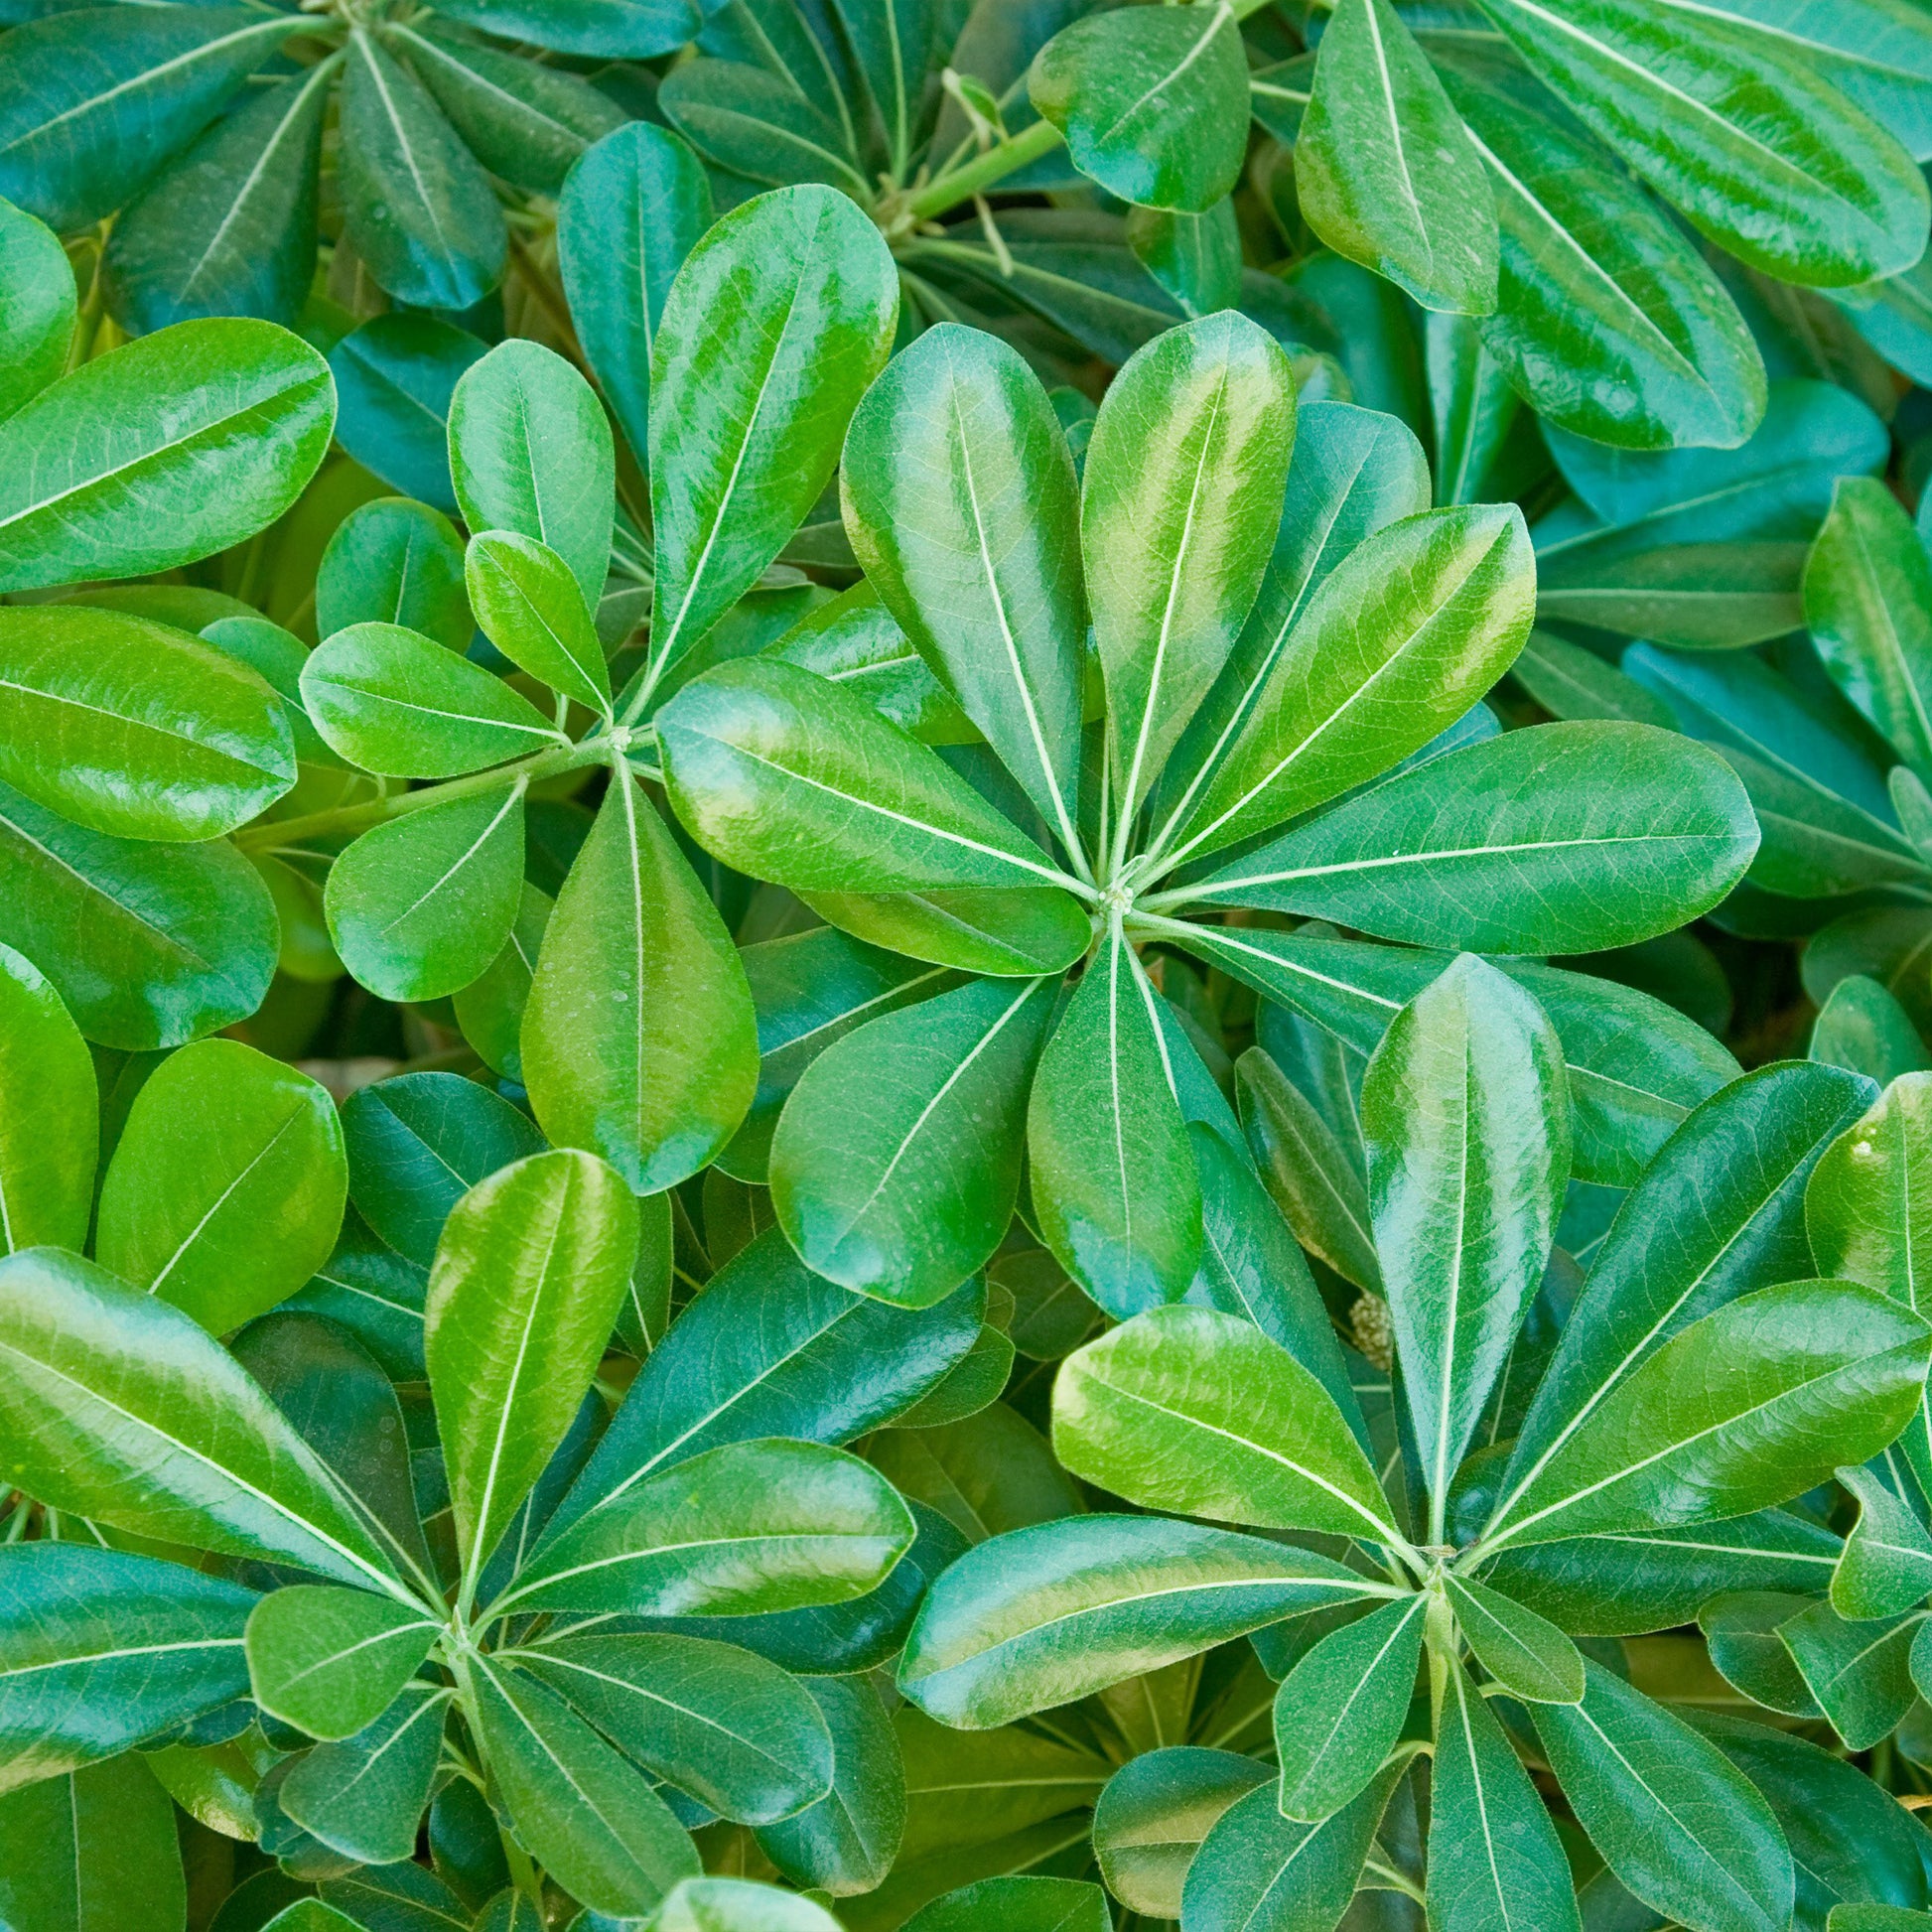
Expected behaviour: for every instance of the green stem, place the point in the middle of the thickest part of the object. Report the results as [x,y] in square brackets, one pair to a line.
[268,833]
[984,169]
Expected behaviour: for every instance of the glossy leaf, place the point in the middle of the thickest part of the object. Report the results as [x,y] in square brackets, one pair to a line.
[395,376]
[171,449]
[530,1269]
[120,1408]
[363,1797]
[1177,506]
[1043,1615]
[41,304]
[847,1841]
[1486,848]
[780,316]
[331,1661]
[1384,170]
[50,1114]
[225,1190]
[640,1042]
[1245,1433]
[1886,1569]
[896,1163]
[102,1848]
[530,607]
[1154,1814]
[962,507]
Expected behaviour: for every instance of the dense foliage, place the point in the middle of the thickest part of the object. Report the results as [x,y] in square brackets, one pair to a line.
[965,968]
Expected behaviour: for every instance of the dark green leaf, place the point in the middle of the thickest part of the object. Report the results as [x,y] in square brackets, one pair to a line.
[331,1661]
[50,1114]
[1529,1657]
[364,1796]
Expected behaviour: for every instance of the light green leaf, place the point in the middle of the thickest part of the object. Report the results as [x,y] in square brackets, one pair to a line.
[1244,1433]
[1049,1613]
[1154,106]
[1385,171]
[50,1126]
[331,1661]
[167,451]
[227,1187]
[739,1531]
[1561,838]
[1743,134]
[1179,503]
[420,907]
[1525,1653]
[639,1040]
[739,1906]
[38,295]
[1114,1186]
[896,1163]
[531,1268]
[397,703]
[530,452]
[962,506]
[1408,632]
[416,204]
[779,318]
[530,607]
[121,1409]
[396,562]
[1679,1826]
[1466,1119]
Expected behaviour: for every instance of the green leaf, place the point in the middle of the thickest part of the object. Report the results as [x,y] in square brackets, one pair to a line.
[1016,1903]
[1863,1029]
[530,452]
[1465,1119]
[737,1732]
[100,1651]
[1154,1814]
[1114,1185]
[41,303]
[229,228]
[1047,1614]
[639,1040]
[1196,258]
[629,30]
[962,506]
[1257,1869]
[1859,1672]
[1683,1830]
[395,562]
[420,907]
[167,451]
[1718,1213]
[97,1851]
[1740,1630]
[364,1796]
[1409,630]
[331,1661]
[1744,135]
[1607,321]
[276,656]
[1493,1853]
[526,121]
[1750,1406]
[740,1530]
[847,1841]
[895,1164]
[1179,503]
[1527,1655]
[574,1803]
[530,1269]
[93,108]
[1012,932]
[1340,1710]
[1385,171]
[49,1125]
[1886,1567]
[225,1190]
[752,124]
[780,316]
[1154,106]
[134,728]
[148,946]
[121,1409]
[1868,603]
[1245,1433]
[490,1009]
[792,779]
[397,703]
[530,607]
[416,1142]
[631,210]
[395,376]
[416,205]
[741,1905]
[1559,839]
